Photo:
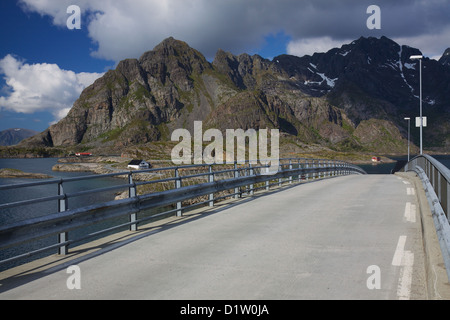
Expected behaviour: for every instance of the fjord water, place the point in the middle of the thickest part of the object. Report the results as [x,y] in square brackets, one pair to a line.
[385,168]
[11,215]
[45,166]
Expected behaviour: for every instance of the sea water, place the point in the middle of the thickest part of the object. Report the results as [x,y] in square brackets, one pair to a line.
[385,168]
[16,214]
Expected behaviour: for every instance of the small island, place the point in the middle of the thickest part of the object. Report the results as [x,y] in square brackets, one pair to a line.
[7,173]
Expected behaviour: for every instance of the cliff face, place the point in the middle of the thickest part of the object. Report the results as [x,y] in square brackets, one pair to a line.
[337,99]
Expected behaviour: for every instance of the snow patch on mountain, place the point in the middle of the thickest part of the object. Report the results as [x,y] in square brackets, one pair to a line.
[400,66]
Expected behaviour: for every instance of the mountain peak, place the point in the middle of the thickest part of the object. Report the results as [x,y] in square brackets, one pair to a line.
[171,42]
[445,59]
[174,54]
[171,47]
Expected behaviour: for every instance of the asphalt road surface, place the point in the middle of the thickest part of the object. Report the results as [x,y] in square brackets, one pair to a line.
[353,237]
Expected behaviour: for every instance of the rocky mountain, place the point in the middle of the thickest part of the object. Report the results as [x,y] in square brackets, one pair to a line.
[349,98]
[12,137]
[445,59]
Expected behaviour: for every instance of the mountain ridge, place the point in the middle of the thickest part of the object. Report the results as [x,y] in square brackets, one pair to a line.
[14,136]
[333,100]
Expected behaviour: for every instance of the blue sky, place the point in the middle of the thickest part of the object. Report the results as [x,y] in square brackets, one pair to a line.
[33,39]
[44,66]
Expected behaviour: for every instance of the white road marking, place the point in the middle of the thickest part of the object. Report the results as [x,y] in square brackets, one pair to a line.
[398,255]
[410,212]
[404,259]
[406,182]
[404,283]
[410,191]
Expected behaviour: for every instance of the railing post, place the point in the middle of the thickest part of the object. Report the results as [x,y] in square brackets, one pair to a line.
[432,177]
[443,192]
[62,207]
[316,167]
[211,179]
[448,199]
[280,168]
[131,194]
[178,186]
[236,175]
[330,166]
[251,172]
[439,185]
[333,166]
[290,168]
[322,168]
[321,173]
[307,167]
[324,171]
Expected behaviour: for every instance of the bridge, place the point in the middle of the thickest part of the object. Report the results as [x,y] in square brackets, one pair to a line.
[316,229]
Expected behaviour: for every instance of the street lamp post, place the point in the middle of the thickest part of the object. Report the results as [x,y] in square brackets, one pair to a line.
[420,57]
[408,134]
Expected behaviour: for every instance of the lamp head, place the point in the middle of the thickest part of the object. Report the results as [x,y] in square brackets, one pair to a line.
[416,57]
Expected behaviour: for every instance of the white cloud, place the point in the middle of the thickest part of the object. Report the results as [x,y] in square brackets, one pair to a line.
[309,46]
[432,46]
[41,87]
[127,28]
[59,114]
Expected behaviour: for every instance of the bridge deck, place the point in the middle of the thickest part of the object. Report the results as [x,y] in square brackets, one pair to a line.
[331,239]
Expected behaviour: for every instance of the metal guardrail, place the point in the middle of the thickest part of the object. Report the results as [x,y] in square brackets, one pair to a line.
[439,177]
[436,182]
[206,183]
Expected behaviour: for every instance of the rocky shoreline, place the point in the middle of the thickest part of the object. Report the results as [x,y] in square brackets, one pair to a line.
[81,167]
[100,165]
[97,165]
[7,173]
[106,165]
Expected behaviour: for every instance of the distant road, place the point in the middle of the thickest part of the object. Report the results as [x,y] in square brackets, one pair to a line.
[353,237]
